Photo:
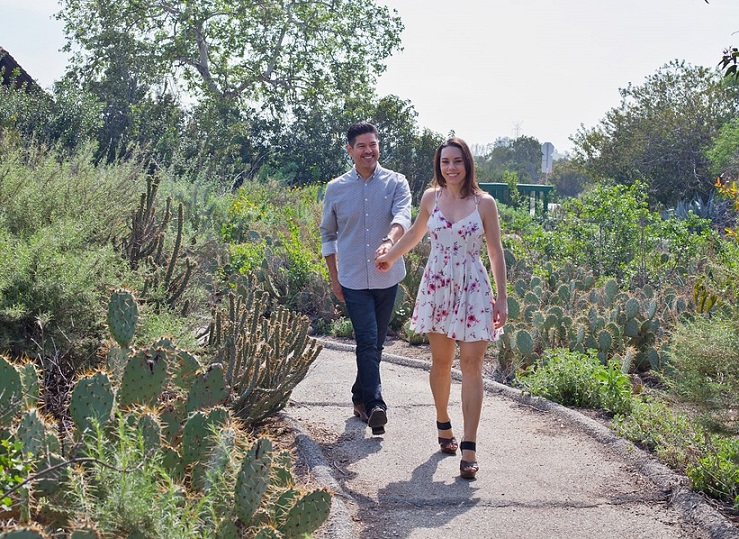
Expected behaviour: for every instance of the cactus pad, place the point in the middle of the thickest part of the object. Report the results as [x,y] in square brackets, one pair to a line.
[11,391]
[123,314]
[631,308]
[30,384]
[32,432]
[208,389]
[143,377]
[253,479]
[524,342]
[23,533]
[92,397]
[308,513]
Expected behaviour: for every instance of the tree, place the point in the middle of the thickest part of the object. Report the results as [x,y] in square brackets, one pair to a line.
[250,73]
[568,178]
[660,132]
[270,52]
[403,148]
[521,155]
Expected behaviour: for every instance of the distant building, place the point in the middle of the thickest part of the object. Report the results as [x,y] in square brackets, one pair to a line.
[13,73]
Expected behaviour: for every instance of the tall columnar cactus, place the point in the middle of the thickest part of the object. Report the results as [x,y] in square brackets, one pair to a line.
[264,358]
[146,235]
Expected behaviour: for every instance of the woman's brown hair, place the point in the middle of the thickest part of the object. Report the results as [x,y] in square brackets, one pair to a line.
[470,186]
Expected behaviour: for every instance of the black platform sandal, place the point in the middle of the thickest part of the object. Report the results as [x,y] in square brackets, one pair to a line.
[468,469]
[447,445]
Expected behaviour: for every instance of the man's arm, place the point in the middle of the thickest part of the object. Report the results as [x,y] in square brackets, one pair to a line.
[333,272]
[401,210]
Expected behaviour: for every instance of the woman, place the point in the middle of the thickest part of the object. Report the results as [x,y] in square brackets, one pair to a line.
[455,302]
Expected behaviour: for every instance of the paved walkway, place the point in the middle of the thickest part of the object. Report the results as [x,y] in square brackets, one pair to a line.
[546,472]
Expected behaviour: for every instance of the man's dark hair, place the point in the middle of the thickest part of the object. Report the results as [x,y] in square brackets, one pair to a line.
[360,128]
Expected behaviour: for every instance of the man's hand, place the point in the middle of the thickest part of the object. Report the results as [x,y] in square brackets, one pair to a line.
[336,287]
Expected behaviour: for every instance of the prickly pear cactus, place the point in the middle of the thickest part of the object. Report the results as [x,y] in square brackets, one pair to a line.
[267,532]
[23,533]
[84,534]
[253,479]
[208,389]
[123,314]
[143,378]
[308,513]
[11,391]
[199,443]
[30,384]
[148,425]
[92,397]
[197,434]
[32,432]
[227,529]
[184,369]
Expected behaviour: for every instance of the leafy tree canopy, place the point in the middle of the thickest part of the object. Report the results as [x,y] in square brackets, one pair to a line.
[660,132]
[271,52]
[521,155]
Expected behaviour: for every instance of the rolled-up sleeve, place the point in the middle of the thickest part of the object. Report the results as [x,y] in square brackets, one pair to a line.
[402,204]
[329,226]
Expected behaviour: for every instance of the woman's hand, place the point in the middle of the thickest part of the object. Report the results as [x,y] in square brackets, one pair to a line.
[382,263]
[500,312]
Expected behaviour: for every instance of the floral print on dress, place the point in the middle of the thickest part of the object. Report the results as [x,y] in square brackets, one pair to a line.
[455,297]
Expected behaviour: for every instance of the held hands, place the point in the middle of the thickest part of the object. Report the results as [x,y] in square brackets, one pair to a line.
[382,260]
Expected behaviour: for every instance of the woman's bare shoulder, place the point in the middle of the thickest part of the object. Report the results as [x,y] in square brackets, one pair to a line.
[486,203]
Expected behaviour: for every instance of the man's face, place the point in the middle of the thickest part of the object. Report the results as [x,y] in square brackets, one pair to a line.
[364,153]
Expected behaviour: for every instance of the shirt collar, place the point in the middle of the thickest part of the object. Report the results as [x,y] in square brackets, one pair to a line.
[374,174]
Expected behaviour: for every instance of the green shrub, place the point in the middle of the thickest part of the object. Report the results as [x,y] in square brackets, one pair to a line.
[703,366]
[342,327]
[672,435]
[127,491]
[14,469]
[711,462]
[578,379]
[59,218]
[51,292]
[716,472]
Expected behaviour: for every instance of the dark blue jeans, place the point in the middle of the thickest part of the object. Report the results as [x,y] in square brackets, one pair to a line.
[370,312]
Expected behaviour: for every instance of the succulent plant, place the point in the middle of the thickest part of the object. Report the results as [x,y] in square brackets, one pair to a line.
[123,315]
[11,391]
[92,399]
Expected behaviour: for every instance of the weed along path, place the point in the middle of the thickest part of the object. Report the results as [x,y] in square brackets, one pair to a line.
[546,472]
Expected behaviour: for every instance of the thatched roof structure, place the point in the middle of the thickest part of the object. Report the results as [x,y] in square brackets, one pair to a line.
[13,73]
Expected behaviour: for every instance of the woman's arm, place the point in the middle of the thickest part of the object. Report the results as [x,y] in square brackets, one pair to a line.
[491,223]
[414,234]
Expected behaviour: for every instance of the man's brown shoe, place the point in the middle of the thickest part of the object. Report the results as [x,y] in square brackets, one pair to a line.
[360,413]
[377,420]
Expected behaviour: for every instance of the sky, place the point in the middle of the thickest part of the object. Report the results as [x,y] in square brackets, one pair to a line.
[487,69]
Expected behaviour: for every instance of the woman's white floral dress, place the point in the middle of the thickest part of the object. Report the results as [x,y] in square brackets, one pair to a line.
[455,297]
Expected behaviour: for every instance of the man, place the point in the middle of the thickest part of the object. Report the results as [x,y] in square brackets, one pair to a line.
[365,212]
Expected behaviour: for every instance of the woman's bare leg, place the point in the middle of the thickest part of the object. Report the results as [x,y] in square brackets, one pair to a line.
[440,377]
[471,355]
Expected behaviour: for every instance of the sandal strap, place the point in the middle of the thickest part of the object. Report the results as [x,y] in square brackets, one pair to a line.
[444,426]
[469,446]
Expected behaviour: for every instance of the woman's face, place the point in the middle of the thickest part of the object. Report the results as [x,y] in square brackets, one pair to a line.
[452,166]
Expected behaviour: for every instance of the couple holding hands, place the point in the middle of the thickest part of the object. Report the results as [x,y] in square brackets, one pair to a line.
[366,229]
